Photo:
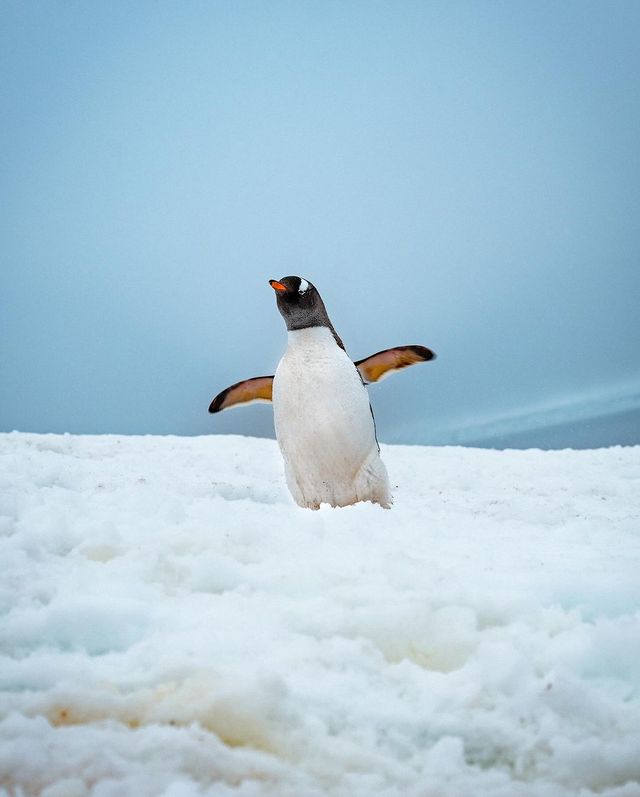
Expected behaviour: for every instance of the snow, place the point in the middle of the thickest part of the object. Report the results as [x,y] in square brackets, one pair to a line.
[173,625]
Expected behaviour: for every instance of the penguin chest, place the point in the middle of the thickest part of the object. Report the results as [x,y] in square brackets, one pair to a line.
[322,415]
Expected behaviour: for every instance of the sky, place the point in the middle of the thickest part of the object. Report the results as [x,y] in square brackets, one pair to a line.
[462,175]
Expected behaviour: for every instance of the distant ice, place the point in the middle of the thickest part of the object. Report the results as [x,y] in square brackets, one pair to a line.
[607,418]
[174,626]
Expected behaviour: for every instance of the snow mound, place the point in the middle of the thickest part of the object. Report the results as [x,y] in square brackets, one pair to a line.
[172,624]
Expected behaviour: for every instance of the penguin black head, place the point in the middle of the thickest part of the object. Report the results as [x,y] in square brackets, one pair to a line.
[299,303]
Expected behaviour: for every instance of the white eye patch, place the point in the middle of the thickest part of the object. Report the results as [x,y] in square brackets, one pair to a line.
[304,285]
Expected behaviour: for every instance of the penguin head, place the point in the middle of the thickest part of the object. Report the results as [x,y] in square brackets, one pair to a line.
[299,303]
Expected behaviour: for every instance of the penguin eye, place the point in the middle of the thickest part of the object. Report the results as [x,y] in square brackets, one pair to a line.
[304,285]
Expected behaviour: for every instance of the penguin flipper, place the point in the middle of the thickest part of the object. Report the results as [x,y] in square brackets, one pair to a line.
[249,391]
[383,363]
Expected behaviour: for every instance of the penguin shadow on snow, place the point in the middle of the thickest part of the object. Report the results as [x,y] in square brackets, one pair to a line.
[323,418]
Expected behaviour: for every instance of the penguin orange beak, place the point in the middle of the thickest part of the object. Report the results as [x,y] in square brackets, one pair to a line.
[277,286]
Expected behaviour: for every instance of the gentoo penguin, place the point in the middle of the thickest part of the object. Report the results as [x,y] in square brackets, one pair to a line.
[323,419]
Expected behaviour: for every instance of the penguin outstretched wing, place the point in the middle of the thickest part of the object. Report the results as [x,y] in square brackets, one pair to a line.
[383,363]
[372,369]
[249,391]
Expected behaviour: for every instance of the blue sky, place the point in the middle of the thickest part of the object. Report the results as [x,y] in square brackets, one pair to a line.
[461,175]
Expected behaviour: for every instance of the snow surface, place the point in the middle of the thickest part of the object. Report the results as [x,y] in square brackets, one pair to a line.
[173,625]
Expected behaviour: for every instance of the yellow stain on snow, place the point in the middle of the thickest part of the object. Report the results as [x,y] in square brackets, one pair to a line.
[239,715]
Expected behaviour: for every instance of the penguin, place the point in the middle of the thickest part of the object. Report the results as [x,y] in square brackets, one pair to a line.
[324,422]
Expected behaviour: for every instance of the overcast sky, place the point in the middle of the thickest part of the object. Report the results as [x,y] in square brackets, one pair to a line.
[464,175]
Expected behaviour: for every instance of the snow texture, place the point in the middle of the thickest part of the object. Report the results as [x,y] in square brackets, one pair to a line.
[174,626]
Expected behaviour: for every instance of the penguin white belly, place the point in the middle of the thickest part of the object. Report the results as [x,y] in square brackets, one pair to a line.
[324,424]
